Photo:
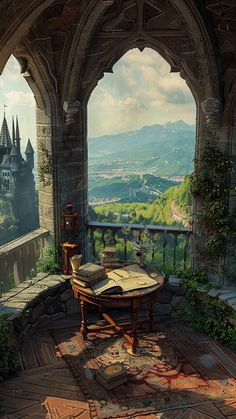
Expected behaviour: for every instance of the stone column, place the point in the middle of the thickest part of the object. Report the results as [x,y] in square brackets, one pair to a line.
[45,170]
[230,137]
[73,167]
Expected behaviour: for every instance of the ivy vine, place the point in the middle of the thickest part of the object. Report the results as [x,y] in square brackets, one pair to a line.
[208,182]
[204,313]
[8,359]
[45,167]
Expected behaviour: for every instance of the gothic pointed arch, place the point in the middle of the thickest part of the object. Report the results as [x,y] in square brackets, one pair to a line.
[19,16]
[176,29]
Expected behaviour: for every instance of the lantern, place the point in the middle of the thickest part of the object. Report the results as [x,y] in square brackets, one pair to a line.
[69,219]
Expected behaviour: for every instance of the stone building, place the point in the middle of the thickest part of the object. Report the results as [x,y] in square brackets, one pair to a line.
[64,48]
[17,183]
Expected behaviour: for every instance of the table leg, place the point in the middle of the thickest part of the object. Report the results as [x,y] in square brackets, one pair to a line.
[84,319]
[150,314]
[134,344]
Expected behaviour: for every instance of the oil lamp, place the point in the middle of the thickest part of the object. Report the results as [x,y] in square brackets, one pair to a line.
[69,219]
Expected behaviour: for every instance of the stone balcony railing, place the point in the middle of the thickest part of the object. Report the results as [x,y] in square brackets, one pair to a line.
[18,258]
[169,246]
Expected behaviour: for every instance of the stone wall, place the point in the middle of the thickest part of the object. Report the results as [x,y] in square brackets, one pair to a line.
[35,303]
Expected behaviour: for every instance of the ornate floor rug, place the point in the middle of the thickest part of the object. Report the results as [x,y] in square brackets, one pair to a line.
[171,370]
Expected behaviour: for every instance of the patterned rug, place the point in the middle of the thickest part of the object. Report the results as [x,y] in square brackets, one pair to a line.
[171,370]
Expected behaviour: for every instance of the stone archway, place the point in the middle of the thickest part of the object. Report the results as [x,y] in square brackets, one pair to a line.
[81,41]
[175,29]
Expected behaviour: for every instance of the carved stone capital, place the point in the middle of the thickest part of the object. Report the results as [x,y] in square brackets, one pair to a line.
[212,109]
[71,107]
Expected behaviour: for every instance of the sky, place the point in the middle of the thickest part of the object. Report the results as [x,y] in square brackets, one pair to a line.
[17,95]
[140,91]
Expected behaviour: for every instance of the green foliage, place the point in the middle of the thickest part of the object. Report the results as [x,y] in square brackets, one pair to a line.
[204,313]
[8,224]
[208,182]
[48,262]
[119,187]
[45,166]
[8,363]
[158,212]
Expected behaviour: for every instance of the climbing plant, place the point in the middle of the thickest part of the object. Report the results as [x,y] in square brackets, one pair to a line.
[208,182]
[8,361]
[45,166]
[204,313]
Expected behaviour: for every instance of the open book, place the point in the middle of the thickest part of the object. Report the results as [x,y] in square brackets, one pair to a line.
[125,279]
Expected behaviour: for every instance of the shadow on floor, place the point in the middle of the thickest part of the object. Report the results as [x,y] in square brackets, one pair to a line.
[178,372]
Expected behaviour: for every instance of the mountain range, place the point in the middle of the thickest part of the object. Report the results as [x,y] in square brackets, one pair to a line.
[164,150]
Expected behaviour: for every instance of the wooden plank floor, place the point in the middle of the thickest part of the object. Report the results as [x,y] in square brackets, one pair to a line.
[45,388]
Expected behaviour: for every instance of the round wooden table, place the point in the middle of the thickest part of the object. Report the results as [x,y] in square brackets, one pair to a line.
[130,299]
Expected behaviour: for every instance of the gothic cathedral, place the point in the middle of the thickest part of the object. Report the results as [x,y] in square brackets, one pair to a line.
[17,184]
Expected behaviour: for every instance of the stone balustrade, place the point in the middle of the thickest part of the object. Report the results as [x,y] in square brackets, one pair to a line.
[169,245]
[36,302]
[18,258]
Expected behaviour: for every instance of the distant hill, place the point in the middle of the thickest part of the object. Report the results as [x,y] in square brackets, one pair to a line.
[174,207]
[164,150]
[132,188]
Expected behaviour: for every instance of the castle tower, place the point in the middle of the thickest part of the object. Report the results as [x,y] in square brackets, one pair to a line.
[5,138]
[29,154]
[17,178]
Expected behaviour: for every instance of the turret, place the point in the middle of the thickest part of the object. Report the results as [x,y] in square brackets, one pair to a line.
[29,154]
[5,138]
[14,158]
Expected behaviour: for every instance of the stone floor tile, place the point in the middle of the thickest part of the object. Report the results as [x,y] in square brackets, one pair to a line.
[192,413]
[209,409]
[228,409]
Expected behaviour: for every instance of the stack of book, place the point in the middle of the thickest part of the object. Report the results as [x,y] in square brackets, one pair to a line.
[88,275]
[112,376]
[109,258]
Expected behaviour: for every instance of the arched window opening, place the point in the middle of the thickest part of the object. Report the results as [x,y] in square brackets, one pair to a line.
[141,144]
[18,194]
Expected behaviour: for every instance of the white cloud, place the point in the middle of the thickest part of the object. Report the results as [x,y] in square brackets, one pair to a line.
[12,70]
[18,98]
[141,91]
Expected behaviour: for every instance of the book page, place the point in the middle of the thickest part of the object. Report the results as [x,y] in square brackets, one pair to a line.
[132,278]
[104,285]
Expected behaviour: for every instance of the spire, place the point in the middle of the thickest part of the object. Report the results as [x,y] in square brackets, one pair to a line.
[29,149]
[13,132]
[13,152]
[5,138]
[17,135]
[29,154]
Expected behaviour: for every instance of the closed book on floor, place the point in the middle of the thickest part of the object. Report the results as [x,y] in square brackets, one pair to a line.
[113,384]
[111,373]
